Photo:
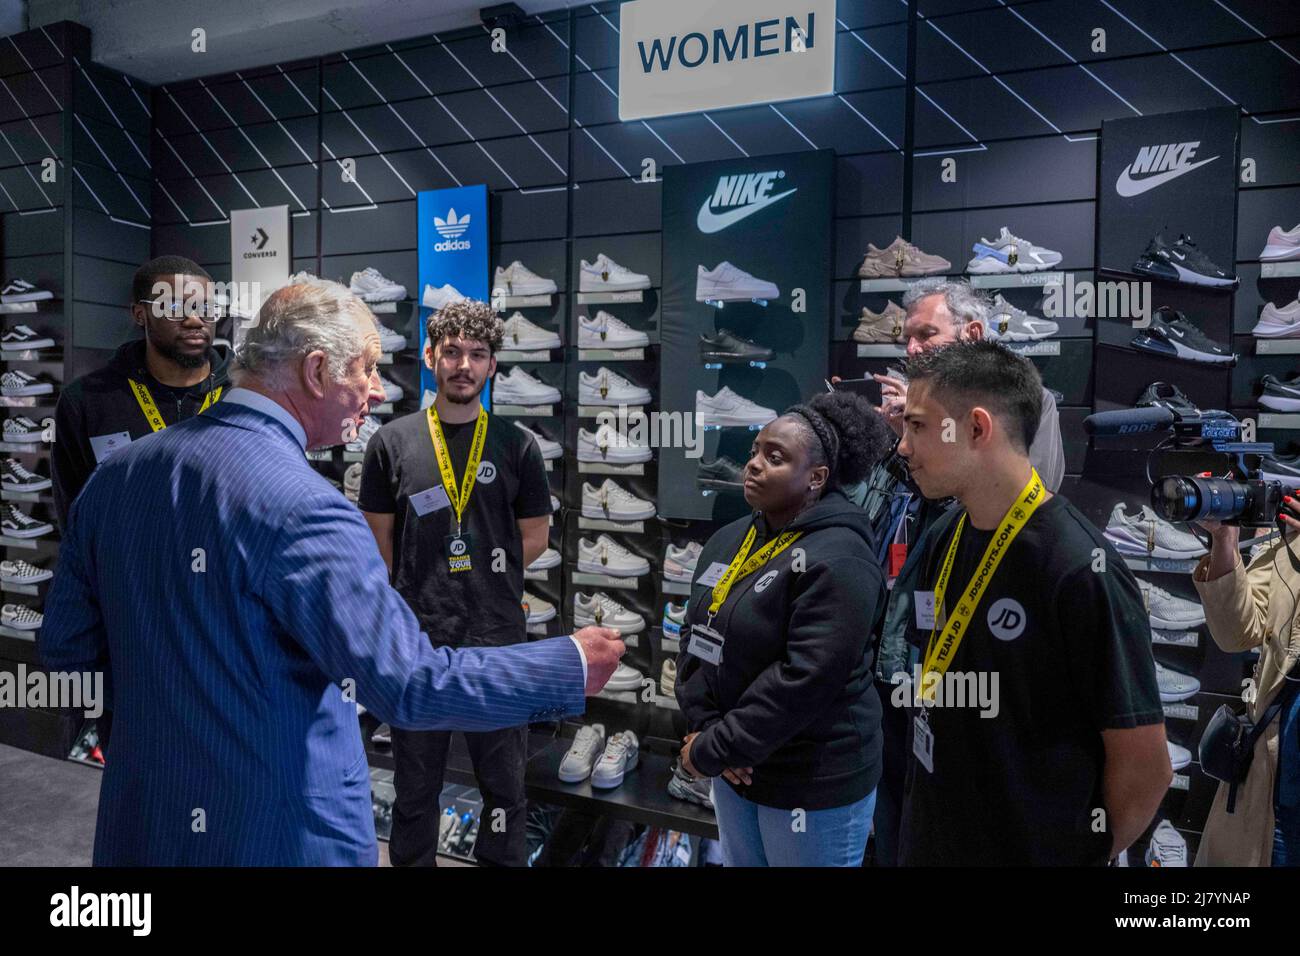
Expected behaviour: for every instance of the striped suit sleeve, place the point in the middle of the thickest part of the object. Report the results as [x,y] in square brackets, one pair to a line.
[327,587]
[72,636]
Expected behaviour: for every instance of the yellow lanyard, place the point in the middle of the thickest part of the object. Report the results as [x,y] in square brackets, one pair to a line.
[939,654]
[151,413]
[743,564]
[443,455]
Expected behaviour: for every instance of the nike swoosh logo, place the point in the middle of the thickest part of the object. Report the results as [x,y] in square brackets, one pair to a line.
[710,221]
[1128,187]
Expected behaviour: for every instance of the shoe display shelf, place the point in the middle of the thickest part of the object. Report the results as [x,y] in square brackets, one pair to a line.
[605,468]
[1018,280]
[27,308]
[504,303]
[611,298]
[612,355]
[1279,270]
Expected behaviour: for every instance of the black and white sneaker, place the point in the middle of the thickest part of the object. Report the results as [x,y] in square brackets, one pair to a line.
[22,338]
[1171,334]
[20,617]
[1285,470]
[16,383]
[1279,395]
[20,290]
[23,430]
[1164,395]
[20,572]
[15,477]
[1181,262]
[16,523]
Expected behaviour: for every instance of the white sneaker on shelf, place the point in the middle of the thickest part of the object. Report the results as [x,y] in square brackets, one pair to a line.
[1275,322]
[583,754]
[20,290]
[370,286]
[1168,612]
[441,298]
[613,502]
[550,449]
[537,610]
[603,611]
[1167,846]
[20,617]
[620,756]
[1175,687]
[22,430]
[1149,535]
[607,556]
[625,677]
[1009,324]
[726,283]
[365,432]
[352,482]
[550,558]
[16,523]
[1007,254]
[517,387]
[20,572]
[728,408]
[518,279]
[390,341]
[1179,757]
[22,338]
[611,446]
[679,563]
[14,476]
[17,383]
[606,275]
[1283,245]
[524,336]
[392,391]
[610,388]
[604,331]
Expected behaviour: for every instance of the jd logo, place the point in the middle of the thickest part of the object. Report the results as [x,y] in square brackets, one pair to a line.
[1006,619]
[457,547]
[764,581]
[486,474]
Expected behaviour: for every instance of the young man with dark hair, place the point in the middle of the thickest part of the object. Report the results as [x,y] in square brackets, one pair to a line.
[459,503]
[169,376]
[1038,734]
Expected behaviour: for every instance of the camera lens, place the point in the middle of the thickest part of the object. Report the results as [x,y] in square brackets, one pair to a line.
[1185,498]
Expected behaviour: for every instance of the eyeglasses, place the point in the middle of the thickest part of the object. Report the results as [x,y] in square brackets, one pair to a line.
[180,311]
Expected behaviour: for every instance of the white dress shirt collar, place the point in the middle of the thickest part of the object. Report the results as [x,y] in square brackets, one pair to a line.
[273,409]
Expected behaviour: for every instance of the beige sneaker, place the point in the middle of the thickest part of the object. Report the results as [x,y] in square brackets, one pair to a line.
[913,262]
[885,327]
[881,263]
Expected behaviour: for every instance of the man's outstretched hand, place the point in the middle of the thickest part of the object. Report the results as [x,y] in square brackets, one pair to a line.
[602,647]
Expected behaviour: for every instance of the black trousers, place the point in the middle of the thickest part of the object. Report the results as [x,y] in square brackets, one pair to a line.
[895,726]
[419,759]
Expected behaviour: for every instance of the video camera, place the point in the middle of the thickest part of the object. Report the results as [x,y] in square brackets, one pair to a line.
[1240,497]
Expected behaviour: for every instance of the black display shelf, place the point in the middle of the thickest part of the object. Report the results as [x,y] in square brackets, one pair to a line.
[642,797]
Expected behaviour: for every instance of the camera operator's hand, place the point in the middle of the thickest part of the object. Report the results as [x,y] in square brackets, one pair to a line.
[1290,513]
[893,399]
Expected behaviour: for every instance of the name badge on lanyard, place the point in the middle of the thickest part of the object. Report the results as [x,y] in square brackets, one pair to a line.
[705,643]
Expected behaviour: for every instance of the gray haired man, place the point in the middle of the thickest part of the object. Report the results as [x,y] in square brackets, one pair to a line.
[242,610]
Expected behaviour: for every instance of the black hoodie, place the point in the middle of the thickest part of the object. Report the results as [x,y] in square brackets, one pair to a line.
[792,696]
[102,403]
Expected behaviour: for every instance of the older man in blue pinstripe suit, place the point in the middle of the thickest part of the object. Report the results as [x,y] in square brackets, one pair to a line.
[240,608]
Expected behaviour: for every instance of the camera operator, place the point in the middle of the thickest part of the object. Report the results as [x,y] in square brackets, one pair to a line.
[1246,607]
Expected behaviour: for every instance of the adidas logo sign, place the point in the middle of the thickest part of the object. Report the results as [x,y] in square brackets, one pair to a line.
[451,229]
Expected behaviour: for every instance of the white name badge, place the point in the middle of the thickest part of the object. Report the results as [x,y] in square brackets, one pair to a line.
[924,601]
[429,500]
[705,643]
[923,743]
[105,445]
[713,574]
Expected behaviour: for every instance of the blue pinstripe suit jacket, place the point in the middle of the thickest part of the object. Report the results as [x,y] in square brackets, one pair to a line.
[231,594]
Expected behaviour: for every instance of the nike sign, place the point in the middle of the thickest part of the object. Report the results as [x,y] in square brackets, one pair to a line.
[1128,187]
[710,221]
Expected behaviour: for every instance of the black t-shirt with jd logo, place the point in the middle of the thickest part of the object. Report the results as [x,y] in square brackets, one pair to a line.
[480,606]
[1055,653]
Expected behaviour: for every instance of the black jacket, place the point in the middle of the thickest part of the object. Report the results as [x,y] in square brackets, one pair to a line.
[101,403]
[793,695]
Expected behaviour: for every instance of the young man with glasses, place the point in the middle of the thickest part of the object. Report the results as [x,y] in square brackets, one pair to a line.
[169,376]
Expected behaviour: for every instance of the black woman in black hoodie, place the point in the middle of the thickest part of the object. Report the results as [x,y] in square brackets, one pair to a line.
[775,672]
